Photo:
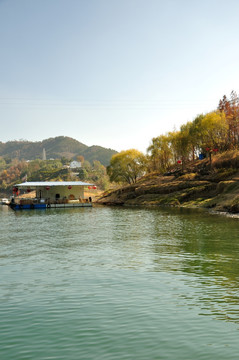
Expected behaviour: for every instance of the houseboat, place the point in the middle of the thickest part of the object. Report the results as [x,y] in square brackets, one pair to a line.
[51,194]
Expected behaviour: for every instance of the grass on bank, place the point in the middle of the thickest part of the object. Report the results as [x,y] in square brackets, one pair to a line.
[199,185]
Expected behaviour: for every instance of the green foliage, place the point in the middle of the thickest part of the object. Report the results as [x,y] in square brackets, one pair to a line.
[213,131]
[49,170]
[180,143]
[127,166]
[99,153]
[205,134]
[7,159]
[83,174]
[64,160]
[18,171]
[50,175]
[2,163]
[94,174]
[61,147]
[160,154]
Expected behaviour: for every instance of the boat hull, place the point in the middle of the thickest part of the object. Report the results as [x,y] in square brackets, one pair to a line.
[48,206]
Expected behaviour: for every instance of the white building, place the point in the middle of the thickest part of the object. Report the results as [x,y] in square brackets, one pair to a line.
[75,164]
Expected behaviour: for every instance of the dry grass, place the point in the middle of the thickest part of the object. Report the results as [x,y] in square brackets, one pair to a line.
[228,159]
[198,186]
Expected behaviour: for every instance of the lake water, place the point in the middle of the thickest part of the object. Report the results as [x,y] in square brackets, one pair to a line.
[107,283]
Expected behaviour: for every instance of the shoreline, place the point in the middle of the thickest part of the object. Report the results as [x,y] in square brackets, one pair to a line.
[145,206]
[216,189]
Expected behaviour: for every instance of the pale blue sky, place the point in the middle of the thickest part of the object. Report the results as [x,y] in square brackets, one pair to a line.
[113,73]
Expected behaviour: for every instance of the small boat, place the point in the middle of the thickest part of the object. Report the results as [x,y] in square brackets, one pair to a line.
[5,201]
[50,194]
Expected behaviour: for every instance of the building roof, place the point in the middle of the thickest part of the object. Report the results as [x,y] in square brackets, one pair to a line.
[34,184]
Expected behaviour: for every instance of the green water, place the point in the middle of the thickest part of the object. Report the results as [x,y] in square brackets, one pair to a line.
[118,283]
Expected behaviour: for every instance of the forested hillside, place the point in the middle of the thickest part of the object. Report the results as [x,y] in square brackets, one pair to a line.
[56,148]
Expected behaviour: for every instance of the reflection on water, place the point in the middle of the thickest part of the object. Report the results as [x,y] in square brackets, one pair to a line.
[118,283]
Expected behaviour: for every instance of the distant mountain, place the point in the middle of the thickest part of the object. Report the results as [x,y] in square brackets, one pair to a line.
[56,148]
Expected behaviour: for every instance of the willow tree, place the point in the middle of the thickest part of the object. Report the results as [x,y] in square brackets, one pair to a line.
[180,144]
[160,154]
[127,166]
[213,132]
[195,135]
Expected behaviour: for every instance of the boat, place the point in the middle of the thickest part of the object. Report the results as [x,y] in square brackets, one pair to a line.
[50,194]
[5,201]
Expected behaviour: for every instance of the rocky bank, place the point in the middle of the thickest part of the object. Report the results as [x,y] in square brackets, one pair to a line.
[201,184]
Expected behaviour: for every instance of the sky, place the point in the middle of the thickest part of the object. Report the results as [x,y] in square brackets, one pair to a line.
[113,73]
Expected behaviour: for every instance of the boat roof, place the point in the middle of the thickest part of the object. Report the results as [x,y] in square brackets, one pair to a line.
[30,184]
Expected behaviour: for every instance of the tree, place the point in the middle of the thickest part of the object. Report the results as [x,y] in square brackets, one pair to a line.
[127,166]
[80,158]
[2,163]
[82,174]
[99,175]
[64,160]
[213,132]
[180,144]
[195,133]
[231,110]
[160,154]
[87,166]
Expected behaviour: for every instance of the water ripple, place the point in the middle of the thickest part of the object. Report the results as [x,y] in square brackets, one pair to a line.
[118,284]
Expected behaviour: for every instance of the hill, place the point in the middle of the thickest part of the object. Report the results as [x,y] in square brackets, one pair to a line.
[214,186]
[56,148]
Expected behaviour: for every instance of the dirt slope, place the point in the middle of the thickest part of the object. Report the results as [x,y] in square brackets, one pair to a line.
[200,185]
